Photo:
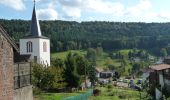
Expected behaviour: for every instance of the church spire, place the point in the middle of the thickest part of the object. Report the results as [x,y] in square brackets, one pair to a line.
[35,26]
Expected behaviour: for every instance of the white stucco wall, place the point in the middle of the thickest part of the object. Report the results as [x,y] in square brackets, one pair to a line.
[45,56]
[161,80]
[42,57]
[158,94]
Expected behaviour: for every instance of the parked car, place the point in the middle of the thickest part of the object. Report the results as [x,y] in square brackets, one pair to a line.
[131,83]
[139,81]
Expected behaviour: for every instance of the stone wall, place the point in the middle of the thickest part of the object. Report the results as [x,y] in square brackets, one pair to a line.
[6,70]
[24,93]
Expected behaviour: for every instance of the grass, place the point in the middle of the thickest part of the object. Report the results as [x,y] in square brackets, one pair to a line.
[62,55]
[55,96]
[116,94]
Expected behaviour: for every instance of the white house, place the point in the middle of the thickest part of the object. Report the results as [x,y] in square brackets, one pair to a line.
[35,44]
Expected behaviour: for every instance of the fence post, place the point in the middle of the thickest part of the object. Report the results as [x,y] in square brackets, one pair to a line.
[19,85]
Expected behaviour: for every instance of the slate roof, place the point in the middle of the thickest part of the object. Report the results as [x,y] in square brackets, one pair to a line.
[35,30]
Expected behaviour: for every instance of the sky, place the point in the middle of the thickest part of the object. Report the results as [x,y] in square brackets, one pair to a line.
[88,10]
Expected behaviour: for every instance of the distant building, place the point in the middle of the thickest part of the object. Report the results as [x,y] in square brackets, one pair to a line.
[160,78]
[98,71]
[107,74]
[35,44]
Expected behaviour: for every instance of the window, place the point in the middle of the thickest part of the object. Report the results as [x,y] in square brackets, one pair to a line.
[35,58]
[44,47]
[29,46]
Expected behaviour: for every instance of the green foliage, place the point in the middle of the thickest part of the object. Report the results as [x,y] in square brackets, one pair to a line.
[65,35]
[47,78]
[92,74]
[164,52]
[91,55]
[57,62]
[72,78]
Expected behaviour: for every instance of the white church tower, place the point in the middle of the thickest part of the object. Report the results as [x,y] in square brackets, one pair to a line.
[35,44]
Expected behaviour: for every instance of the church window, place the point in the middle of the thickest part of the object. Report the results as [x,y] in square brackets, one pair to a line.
[29,46]
[44,47]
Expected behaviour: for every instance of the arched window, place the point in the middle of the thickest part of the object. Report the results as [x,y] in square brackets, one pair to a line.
[44,47]
[29,46]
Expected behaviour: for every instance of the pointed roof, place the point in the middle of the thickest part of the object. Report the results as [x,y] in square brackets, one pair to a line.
[35,26]
[35,30]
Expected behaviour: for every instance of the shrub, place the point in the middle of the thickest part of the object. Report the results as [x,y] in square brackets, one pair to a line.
[96,92]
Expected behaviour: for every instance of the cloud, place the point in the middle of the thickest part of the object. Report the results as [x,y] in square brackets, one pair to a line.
[15,4]
[143,10]
[105,7]
[139,9]
[164,15]
[47,14]
[71,12]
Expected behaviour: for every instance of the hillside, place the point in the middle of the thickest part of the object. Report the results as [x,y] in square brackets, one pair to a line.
[120,60]
[67,35]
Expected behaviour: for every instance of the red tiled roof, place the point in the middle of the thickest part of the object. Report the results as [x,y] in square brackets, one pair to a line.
[160,67]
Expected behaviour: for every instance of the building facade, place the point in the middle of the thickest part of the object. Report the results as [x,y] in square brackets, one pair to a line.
[7,49]
[14,84]
[35,44]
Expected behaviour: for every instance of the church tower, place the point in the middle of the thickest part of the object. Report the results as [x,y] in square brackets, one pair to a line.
[35,44]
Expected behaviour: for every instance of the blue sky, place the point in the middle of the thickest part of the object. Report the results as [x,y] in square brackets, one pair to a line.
[88,10]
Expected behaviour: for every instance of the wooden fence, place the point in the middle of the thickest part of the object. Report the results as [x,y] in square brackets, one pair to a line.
[22,75]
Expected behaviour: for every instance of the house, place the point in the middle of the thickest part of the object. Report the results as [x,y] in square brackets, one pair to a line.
[98,71]
[35,44]
[160,78]
[107,74]
[14,85]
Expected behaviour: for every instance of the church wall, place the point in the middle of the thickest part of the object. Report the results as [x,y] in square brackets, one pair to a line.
[45,56]
[42,57]
[36,48]
[6,70]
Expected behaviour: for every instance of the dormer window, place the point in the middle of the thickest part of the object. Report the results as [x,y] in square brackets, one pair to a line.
[44,47]
[29,46]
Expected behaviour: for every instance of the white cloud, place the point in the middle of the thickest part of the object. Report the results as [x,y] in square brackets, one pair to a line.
[139,9]
[47,14]
[105,7]
[71,12]
[164,15]
[15,4]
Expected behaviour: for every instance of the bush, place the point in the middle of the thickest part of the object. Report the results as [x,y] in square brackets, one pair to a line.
[36,91]
[112,94]
[96,92]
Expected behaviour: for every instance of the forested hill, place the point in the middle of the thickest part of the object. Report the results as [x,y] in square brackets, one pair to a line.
[109,35]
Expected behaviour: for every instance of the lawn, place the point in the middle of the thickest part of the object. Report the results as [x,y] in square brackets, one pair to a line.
[116,94]
[63,55]
[55,96]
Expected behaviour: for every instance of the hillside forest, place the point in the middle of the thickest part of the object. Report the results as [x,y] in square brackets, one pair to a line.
[70,35]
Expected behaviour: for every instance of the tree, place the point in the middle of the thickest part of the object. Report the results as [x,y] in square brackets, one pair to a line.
[91,55]
[163,52]
[47,78]
[72,78]
[92,74]
[57,62]
[81,64]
